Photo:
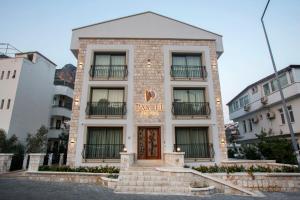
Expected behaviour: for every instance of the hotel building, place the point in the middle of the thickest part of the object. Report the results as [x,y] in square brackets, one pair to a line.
[148,85]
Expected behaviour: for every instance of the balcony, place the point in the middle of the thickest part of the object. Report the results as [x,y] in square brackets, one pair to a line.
[106,108]
[197,150]
[102,151]
[191,108]
[64,83]
[108,72]
[188,72]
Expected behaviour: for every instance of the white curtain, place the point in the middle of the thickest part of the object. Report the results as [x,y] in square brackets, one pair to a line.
[102,60]
[189,95]
[117,60]
[99,94]
[115,95]
[193,61]
[179,60]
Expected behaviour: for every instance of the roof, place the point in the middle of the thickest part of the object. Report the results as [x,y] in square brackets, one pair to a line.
[31,52]
[263,80]
[144,26]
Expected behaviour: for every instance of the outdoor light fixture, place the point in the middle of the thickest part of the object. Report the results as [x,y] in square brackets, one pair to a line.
[72,141]
[124,149]
[76,101]
[222,141]
[80,65]
[149,63]
[178,149]
[218,100]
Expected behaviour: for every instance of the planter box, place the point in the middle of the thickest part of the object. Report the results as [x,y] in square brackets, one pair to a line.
[5,162]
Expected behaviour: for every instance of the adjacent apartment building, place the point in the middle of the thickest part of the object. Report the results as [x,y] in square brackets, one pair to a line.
[258,107]
[149,85]
[26,85]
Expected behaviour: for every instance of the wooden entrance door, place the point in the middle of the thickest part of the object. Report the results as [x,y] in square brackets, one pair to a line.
[148,143]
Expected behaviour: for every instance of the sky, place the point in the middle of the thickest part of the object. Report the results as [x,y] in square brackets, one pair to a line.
[46,26]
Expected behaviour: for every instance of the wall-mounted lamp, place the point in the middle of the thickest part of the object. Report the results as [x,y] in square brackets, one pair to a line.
[124,149]
[80,65]
[148,63]
[76,101]
[222,141]
[178,149]
[218,100]
[72,141]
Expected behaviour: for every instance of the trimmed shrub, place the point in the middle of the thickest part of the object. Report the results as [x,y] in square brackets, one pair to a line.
[100,169]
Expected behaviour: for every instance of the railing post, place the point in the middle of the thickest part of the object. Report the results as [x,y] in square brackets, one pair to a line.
[50,157]
[24,166]
[61,159]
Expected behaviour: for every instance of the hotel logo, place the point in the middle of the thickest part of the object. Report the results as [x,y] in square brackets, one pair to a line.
[149,94]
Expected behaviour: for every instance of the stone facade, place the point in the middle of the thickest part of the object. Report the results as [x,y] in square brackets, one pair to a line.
[35,161]
[152,77]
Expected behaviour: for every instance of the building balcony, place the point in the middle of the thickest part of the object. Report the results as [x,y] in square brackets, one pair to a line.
[191,108]
[59,82]
[63,90]
[61,111]
[106,108]
[197,150]
[102,151]
[54,132]
[188,72]
[108,72]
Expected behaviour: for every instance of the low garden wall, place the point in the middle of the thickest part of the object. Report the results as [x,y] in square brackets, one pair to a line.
[267,182]
[74,177]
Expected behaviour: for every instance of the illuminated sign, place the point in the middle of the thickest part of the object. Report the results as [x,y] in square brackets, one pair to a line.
[149,108]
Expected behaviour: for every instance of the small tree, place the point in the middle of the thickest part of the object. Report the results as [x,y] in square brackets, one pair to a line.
[37,143]
[10,145]
[64,138]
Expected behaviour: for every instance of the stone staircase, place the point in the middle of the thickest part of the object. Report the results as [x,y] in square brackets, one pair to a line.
[174,181]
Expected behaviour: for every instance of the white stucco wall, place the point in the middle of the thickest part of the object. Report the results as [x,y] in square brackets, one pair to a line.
[33,97]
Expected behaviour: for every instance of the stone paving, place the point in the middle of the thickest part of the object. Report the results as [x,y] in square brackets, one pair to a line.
[13,189]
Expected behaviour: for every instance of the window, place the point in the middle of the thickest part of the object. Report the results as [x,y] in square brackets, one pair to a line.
[266,89]
[189,95]
[250,125]
[8,74]
[2,75]
[109,65]
[103,143]
[281,115]
[193,141]
[283,82]
[190,102]
[58,124]
[244,101]
[106,101]
[291,76]
[2,104]
[187,65]
[8,104]
[291,113]
[14,74]
[245,126]
[254,89]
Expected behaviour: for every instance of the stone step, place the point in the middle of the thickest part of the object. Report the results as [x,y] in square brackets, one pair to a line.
[153,183]
[153,189]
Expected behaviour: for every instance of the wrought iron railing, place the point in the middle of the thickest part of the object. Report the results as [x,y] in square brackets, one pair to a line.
[116,72]
[191,108]
[106,108]
[64,83]
[197,150]
[102,151]
[187,71]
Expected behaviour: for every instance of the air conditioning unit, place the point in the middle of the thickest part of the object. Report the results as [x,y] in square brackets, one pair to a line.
[264,100]
[247,107]
[255,120]
[270,115]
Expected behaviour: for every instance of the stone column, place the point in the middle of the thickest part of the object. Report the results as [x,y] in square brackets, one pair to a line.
[36,160]
[5,162]
[127,160]
[26,156]
[61,159]
[174,159]
[50,156]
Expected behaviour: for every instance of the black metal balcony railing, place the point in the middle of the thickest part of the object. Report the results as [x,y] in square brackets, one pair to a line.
[102,151]
[187,71]
[191,108]
[106,108]
[197,150]
[64,83]
[116,72]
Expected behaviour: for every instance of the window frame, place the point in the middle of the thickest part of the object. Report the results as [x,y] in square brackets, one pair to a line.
[191,88]
[291,113]
[106,88]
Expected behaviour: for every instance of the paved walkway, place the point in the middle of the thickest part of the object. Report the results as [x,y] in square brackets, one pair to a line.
[13,189]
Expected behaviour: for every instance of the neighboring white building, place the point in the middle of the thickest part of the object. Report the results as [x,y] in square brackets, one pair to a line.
[148,84]
[26,90]
[258,107]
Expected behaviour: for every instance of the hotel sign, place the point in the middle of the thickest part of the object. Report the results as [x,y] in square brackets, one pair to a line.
[149,108]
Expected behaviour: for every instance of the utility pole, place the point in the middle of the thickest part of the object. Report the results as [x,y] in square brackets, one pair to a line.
[295,146]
